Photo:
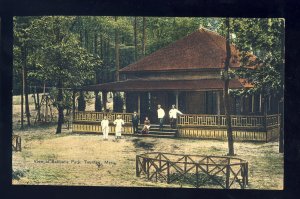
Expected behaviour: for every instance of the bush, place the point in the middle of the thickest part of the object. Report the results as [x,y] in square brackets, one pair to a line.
[16,175]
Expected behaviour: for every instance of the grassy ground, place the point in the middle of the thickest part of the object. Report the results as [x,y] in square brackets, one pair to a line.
[89,160]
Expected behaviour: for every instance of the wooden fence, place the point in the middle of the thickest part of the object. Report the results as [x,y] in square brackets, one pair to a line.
[196,170]
[16,143]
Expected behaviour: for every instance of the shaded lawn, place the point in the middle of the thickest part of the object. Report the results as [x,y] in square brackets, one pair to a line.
[88,160]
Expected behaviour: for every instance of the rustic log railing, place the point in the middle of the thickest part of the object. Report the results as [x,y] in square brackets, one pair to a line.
[16,143]
[197,170]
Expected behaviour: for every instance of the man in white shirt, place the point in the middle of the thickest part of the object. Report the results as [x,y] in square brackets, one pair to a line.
[173,116]
[160,116]
[119,124]
[105,127]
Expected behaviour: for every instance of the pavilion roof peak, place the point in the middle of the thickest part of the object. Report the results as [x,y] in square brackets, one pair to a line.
[202,49]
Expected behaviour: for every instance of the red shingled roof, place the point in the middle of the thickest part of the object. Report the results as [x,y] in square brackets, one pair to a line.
[201,49]
[164,85]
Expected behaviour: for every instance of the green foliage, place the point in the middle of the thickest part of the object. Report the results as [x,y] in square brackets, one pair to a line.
[265,39]
[59,55]
[67,98]
[80,50]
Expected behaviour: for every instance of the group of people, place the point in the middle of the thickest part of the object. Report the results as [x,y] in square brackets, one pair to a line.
[160,115]
[105,127]
[119,122]
[172,115]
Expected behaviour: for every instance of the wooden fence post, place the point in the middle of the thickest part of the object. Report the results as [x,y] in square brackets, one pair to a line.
[168,172]
[185,160]
[148,170]
[197,175]
[159,162]
[246,173]
[227,173]
[137,166]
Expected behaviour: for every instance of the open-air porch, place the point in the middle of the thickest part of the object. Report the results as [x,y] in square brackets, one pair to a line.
[245,128]
[203,110]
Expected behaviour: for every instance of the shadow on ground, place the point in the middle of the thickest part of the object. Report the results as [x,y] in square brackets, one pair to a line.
[142,144]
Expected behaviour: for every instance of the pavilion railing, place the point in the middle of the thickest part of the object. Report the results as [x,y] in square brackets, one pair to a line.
[91,116]
[238,121]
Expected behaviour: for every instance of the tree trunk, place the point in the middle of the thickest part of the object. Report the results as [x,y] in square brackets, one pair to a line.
[135,40]
[117,52]
[95,43]
[60,107]
[27,111]
[86,41]
[73,104]
[226,90]
[22,103]
[24,77]
[34,99]
[144,36]
[101,47]
[38,105]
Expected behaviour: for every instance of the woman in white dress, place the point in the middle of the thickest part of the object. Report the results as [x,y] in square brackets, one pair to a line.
[119,123]
[105,127]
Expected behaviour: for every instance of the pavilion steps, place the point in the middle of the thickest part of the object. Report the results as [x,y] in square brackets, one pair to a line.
[167,131]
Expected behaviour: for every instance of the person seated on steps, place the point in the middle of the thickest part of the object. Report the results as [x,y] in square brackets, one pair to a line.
[146,127]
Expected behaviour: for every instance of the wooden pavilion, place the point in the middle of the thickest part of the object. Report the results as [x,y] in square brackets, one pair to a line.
[186,73]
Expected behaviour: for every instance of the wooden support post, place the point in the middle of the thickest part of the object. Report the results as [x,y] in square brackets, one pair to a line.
[260,103]
[242,104]
[124,105]
[218,108]
[177,94]
[139,104]
[104,98]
